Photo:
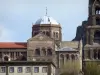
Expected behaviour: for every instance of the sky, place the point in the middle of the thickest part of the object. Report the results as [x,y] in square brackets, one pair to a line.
[17,16]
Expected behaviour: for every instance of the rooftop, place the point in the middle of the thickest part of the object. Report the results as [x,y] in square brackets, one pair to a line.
[46,20]
[13,45]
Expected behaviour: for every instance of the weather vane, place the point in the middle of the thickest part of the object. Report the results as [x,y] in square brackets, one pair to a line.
[46,11]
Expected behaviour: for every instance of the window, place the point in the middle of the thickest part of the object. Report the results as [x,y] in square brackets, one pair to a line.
[56,34]
[37,51]
[6,58]
[3,69]
[44,70]
[97,21]
[49,51]
[62,59]
[19,70]
[36,69]
[28,69]
[73,57]
[47,33]
[11,69]
[67,56]
[0,55]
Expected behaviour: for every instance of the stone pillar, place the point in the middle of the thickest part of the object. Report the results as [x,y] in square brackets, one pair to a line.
[87,35]
[14,55]
[91,54]
[69,56]
[91,36]
[64,59]
[2,55]
[19,53]
[97,55]
[85,54]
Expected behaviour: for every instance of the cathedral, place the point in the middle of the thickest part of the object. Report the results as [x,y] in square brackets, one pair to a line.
[44,46]
[46,54]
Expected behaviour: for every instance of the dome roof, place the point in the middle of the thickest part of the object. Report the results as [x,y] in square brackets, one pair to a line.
[46,20]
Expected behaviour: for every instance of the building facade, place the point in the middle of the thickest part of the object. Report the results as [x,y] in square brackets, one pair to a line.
[92,46]
[27,68]
[45,45]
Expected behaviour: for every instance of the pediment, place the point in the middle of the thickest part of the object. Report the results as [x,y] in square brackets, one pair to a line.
[40,37]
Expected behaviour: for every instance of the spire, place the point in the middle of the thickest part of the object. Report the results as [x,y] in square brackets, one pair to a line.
[46,11]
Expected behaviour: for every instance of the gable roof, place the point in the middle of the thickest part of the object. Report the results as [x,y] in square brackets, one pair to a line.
[40,37]
[13,45]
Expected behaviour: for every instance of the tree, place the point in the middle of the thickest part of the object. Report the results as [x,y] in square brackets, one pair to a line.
[91,68]
[70,68]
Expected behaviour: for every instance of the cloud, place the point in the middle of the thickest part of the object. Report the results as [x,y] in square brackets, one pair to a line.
[6,35]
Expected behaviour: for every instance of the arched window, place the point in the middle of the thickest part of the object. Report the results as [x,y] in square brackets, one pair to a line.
[43,51]
[95,54]
[35,33]
[47,33]
[99,54]
[6,58]
[49,51]
[88,54]
[37,51]
[62,59]
[73,57]
[97,36]
[97,9]
[43,32]
[97,21]
[76,56]
[56,34]
[67,56]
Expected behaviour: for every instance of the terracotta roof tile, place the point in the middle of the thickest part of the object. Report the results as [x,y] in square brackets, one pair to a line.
[13,45]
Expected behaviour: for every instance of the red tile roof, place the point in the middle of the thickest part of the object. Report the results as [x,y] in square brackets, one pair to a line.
[13,45]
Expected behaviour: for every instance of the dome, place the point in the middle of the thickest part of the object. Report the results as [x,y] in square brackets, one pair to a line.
[46,20]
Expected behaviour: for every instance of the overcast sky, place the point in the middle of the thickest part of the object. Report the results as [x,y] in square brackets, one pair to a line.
[17,16]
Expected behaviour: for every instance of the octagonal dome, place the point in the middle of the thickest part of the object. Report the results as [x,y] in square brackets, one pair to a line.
[46,20]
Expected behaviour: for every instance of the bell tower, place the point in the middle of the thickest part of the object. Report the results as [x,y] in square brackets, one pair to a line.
[93,28]
[92,47]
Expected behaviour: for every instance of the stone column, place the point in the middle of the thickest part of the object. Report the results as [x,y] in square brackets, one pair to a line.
[14,55]
[70,57]
[91,36]
[19,53]
[2,55]
[87,35]
[97,55]
[91,54]
[64,59]
[85,54]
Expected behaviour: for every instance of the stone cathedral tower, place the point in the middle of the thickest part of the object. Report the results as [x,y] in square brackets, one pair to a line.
[92,47]
[46,35]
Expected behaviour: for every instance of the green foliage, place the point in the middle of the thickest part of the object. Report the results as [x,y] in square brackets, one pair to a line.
[91,68]
[70,68]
